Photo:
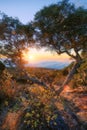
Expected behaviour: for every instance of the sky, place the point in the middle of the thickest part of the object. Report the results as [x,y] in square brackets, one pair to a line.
[25,10]
[36,56]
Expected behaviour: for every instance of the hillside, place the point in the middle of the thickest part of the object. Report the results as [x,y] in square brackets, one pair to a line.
[31,105]
[50,64]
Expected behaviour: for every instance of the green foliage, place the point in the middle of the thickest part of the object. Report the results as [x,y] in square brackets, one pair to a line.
[40,111]
[4,77]
[6,90]
[38,115]
[17,37]
[63,28]
[80,78]
[84,53]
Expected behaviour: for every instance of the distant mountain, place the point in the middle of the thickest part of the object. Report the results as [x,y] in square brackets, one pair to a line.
[43,64]
[50,64]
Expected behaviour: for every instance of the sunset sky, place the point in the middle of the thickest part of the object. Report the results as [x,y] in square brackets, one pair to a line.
[34,56]
[25,11]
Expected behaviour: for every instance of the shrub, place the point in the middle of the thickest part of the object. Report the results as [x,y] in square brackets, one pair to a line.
[80,78]
[40,112]
[37,116]
[6,89]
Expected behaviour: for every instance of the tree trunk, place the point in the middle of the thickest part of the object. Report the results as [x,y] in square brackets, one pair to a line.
[2,67]
[70,76]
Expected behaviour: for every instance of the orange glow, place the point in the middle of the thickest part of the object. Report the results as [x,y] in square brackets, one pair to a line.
[30,57]
[33,55]
[26,56]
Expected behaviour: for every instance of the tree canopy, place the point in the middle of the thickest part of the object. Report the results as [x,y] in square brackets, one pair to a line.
[14,37]
[63,28]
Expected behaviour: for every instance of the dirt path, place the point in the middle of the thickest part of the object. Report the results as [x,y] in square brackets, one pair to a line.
[75,105]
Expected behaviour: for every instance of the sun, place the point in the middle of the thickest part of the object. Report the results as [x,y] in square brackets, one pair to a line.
[30,57]
[27,56]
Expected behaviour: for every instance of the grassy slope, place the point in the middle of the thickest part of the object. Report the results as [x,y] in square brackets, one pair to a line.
[17,97]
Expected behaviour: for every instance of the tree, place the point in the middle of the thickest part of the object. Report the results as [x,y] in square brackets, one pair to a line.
[2,67]
[63,28]
[15,37]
